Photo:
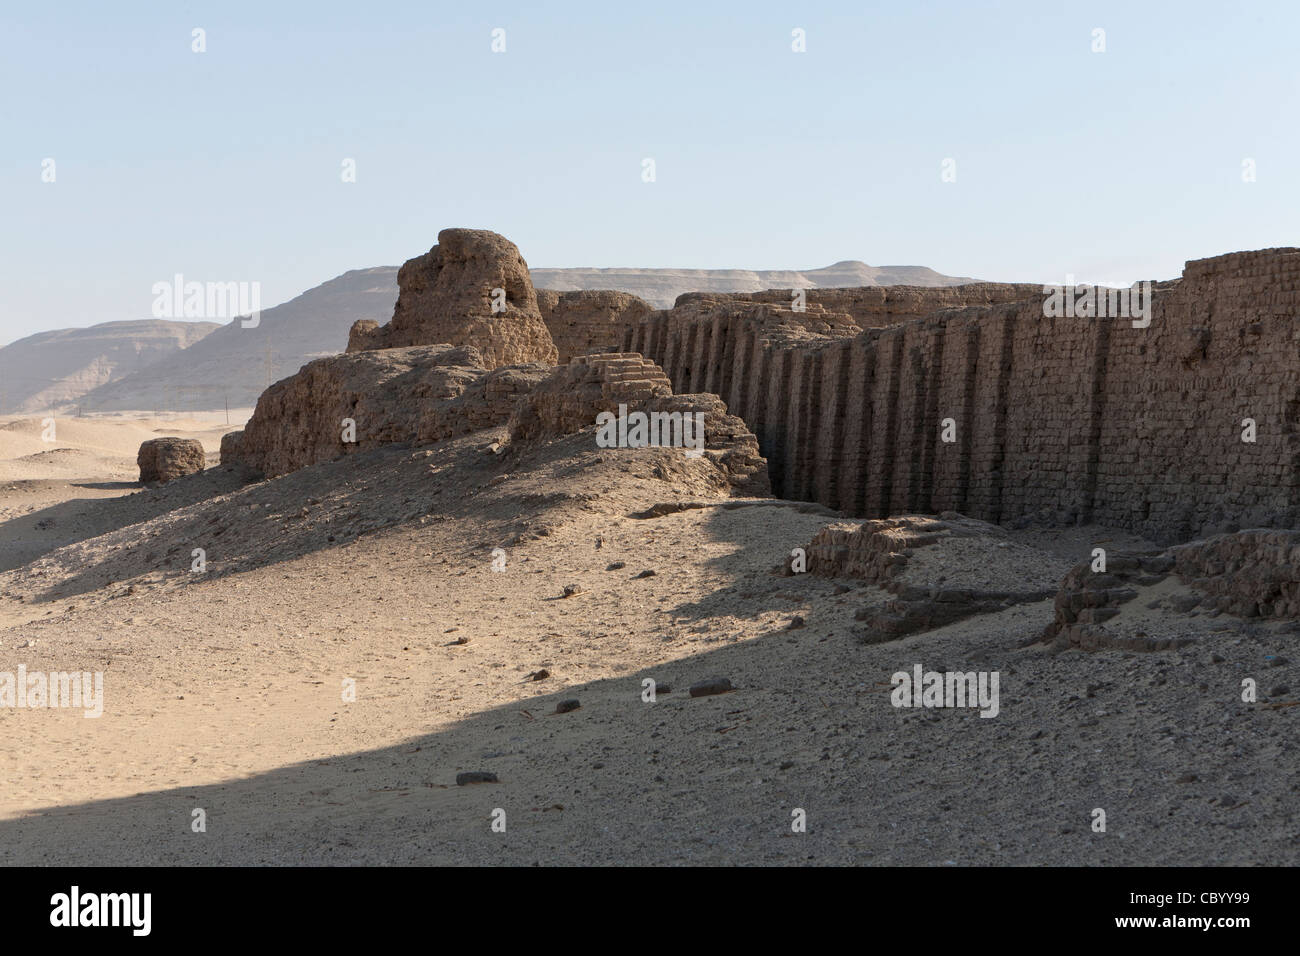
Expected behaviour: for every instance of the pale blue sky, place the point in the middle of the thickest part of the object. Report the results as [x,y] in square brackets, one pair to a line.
[225,165]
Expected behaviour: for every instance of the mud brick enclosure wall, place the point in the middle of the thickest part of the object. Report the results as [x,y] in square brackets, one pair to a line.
[1061,421]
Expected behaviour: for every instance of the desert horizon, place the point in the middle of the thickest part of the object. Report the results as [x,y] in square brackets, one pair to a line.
[635,513]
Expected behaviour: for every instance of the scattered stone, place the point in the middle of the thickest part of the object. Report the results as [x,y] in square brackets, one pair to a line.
[475,776]
[539,675]
[616,566]
[796,622]
[573,589]
[565,706]
[1188,778]
[1279,690]
[711,686]
[647,573]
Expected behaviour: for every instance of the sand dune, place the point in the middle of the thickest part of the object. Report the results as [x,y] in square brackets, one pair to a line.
[84,446]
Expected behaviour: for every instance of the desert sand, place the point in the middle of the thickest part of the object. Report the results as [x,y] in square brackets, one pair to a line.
[224,690]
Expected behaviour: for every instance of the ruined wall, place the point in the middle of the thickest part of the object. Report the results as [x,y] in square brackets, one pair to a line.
[1058,421]
[872,307]
[430,393]
[421,393]
[472,288]
[589,321]
[1251,574]
[572,396]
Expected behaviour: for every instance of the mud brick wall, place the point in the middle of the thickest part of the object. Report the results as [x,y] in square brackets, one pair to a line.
[1058,421]
[587,322]
[1227,347]
[1047,445]
[869,307]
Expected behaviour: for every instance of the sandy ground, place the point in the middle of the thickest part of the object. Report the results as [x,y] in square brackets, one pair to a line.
[224,690]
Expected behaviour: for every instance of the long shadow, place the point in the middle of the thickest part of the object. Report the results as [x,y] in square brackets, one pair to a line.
[682,781]
[79,519]
[690,780]
[244,526]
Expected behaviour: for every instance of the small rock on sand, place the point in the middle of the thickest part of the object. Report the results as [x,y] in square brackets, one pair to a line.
[710,686]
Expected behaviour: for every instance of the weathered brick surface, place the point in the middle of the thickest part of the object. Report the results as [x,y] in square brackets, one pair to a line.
[421,393]
[165,459]
[1252,574]
[570,398]
[1059,420]
[882,552]
[430,393]
[450,295]
[868,307]
[589,321]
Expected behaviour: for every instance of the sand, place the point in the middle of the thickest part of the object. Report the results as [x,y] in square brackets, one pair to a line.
[224,690]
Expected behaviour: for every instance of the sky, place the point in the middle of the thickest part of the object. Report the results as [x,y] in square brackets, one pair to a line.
[227,165]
